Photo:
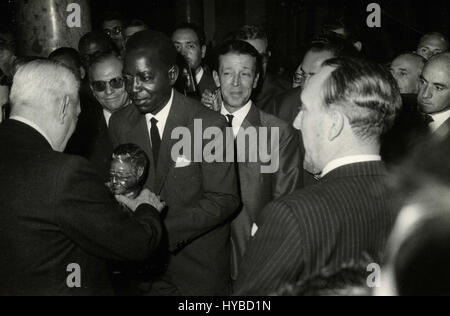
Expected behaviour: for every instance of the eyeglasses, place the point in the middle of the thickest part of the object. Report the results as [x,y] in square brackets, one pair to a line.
[100,86]
[115,31]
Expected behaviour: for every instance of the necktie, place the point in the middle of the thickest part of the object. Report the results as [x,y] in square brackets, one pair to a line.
[428,119]
[156,140]
[230,120]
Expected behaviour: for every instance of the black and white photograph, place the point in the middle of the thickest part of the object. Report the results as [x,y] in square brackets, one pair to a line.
[224,153]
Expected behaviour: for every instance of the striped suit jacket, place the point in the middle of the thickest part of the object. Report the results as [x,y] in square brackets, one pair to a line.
[345,217]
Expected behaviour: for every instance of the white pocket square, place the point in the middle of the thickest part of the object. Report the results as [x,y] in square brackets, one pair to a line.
[255,229]
[182,162]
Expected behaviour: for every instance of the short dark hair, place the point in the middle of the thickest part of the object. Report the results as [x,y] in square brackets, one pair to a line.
[346,280]
[351,32]
[136,23]
[366,93]
[101,58]
[240,48]
[111,16]
[251,32]
[156,41]
[68,52]
[194,28]
[104,41]
[335,44]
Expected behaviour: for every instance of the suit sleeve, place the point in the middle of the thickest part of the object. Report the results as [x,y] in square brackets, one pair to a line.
[219,201]
[274,255]
[289,176]
[91,218]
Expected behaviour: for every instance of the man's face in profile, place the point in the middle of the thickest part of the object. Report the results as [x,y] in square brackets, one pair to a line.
[188,45]
[430,46]
[237,78]
[148,80]
[434,94]
[406,70]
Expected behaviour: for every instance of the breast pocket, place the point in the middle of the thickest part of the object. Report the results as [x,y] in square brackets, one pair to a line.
[186,182]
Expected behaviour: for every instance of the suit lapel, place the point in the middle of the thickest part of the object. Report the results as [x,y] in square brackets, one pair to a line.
[444,129]
[175,119]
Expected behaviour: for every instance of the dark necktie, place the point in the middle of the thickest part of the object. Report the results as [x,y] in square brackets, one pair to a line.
[230,120]
[156,139]
[428,119]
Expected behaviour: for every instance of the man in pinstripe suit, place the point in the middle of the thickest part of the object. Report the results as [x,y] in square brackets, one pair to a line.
[346,216]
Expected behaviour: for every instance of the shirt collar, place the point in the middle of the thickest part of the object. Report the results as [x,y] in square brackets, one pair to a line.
[107,116]
[32,125]
[337,163]
[439,119]
[162,115]
[239,115]
[199,75]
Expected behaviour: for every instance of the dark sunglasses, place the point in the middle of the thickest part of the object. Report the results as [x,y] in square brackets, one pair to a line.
[100,86]
[115,31]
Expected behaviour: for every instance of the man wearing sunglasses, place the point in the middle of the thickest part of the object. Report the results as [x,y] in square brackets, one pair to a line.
[91,139]
[113,27]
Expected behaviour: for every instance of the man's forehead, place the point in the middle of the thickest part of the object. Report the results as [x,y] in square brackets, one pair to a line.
[433,41]
[107,67]
[112,23]
[437,73]
[259,44]
[143,56]
[406,61]
[185,35]
[243,60]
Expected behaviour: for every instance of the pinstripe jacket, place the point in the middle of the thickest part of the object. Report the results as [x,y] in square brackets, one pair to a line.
[346,216]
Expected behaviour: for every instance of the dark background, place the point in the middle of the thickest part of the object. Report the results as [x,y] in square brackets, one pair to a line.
[291,24]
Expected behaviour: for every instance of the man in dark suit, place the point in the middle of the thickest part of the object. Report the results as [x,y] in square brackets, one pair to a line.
[434,94]
[58,223]
[190,42]
[347,215]
[91,138]
[201,195]
[237,75]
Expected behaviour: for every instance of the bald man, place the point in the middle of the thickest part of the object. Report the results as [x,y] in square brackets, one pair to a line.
[432,44]
[434,94]
[406,70]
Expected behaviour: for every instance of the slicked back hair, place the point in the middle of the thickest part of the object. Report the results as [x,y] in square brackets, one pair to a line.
[366,93]
[240,48]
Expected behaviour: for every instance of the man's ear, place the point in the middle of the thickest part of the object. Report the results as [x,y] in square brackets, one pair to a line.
[63,110]
[82,73]
[256,81]
[337,122]
[174,72]
[216,78]
[203,51]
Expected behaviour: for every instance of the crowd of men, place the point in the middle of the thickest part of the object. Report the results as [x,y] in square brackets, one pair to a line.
[318,173]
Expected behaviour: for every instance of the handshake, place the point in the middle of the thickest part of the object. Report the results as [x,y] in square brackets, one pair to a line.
[145,197]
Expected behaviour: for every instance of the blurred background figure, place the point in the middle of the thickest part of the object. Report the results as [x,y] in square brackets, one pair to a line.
[70,58]
[94,43]
[432,44]
[419,252]
[113,26]
[406,70]
[132,28]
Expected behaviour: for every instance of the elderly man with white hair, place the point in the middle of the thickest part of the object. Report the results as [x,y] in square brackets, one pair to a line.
[58,224]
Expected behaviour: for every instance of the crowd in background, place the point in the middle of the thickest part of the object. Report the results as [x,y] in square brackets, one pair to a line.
[362,176]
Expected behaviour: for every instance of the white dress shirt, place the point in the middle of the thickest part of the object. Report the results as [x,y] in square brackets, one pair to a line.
[161,117]
[107,116]
[439,119]
[32,125]
[239,116]
[199,75]
[337,163]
